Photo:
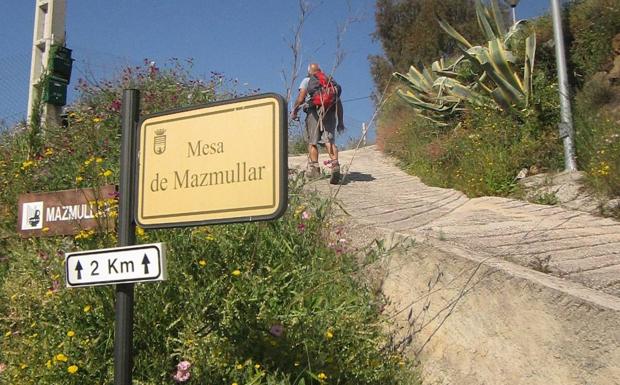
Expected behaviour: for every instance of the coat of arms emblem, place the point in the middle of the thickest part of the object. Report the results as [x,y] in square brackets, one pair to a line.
[159,142]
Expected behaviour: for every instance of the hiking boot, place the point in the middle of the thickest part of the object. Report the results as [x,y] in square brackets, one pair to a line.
[313,171]
[335,177]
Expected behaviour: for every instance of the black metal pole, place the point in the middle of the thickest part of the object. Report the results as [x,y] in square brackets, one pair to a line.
[123,327]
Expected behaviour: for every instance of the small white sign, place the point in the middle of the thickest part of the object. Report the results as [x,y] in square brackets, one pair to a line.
[117,265]
[32,216]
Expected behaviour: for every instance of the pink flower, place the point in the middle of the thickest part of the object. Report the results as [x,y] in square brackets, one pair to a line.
[181,376]
[301,227]
[182,373]
[305,215]
[2,367]
[184,366]
[276,330]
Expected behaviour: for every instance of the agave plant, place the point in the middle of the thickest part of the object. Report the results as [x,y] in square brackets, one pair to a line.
[435,97]
[439,92]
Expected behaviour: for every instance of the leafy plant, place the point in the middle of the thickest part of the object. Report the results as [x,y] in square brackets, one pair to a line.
[439,93]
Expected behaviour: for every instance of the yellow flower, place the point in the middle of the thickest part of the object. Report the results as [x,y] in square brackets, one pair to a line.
[257,366]
[23,366]
[236,273]
[202,263]
[72,369]
[107,173]
[234,383]
[239,366]
[87,309]
[329,334]
[27,164]
[61,357]
[210,237]
[48,364]
[98,160]
[322,376]
[70,333]
[8,334]
[96,120]
[48,151]
[78,179]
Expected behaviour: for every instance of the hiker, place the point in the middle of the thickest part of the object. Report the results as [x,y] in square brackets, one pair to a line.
[319,97]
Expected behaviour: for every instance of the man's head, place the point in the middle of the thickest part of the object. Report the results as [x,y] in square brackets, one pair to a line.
[313,68]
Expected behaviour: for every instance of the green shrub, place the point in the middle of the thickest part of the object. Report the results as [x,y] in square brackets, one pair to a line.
[280,302]
[249,303]
[597,142]
[485,150]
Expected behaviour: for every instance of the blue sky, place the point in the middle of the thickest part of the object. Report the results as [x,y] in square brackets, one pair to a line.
[246,40]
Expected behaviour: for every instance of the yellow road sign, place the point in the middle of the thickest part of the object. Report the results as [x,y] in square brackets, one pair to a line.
[218,163]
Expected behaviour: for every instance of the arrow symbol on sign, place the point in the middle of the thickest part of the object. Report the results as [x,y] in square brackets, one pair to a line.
[145,262]
[79,268]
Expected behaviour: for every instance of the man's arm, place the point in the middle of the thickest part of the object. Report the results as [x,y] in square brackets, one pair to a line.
[298,102]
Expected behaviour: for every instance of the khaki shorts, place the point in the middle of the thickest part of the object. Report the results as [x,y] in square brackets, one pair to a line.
[315,130]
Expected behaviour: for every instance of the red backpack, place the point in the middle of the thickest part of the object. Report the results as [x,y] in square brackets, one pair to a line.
[323,90]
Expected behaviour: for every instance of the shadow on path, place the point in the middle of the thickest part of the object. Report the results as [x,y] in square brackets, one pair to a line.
[355,176]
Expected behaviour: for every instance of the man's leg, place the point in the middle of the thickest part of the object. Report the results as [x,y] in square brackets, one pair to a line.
[312,131]
[332,150]
[313,152]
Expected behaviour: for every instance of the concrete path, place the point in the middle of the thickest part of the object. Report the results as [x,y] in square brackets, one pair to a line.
[494,291]
[572,245]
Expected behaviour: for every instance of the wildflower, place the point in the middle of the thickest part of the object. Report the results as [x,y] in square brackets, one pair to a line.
[70,333]
[8,334]
[98,160]
[87,309]
[276,330]
[96,120]
[61,357]
[72,369]
[301,227]
[322,376]
[239,366]
[48,364]
[299,209]
[202,263]
[48,151]
[329,334]
[2,367]
[182,374]
[26,164]
[139,231]
[107,173]
[257,366]
[210,237]
[236,273]
[305,215]
[23,366]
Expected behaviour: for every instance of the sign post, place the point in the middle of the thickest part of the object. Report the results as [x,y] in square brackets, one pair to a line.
[223,162]
[123,324]
[129,264]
